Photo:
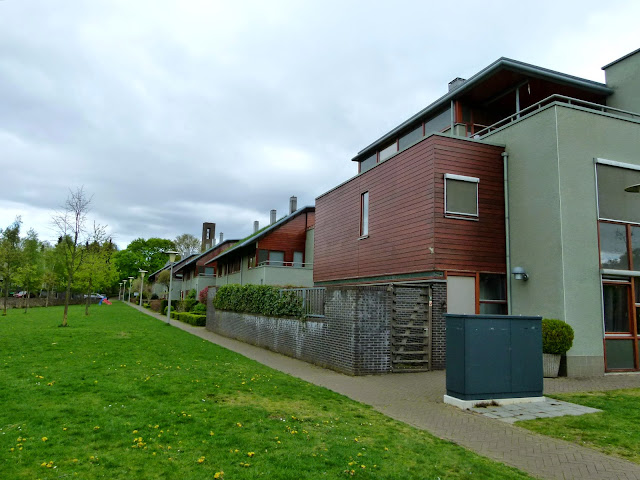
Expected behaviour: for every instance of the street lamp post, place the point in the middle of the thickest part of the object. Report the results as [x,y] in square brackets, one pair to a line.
[142,272]
[124,288]
[119,289]
[130,280]
[172,258]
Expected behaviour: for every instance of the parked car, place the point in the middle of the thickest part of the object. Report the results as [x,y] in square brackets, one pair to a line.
[97,296]
[23,294]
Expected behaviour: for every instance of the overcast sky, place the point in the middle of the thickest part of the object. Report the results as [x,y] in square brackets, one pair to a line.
[174,113]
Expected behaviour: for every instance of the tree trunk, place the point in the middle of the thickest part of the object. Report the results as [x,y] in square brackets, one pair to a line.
[46,302]
[6,299]
[66,304]
[86,308]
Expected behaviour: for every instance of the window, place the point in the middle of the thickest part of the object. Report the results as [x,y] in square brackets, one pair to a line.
[208,270]
[388,151]
[208,233]
[364,214]
[613,202]
[410,138]
[298,258]
[460,195]
[493,294]
[276,258]
[263,256]
[620,258]
[369,163]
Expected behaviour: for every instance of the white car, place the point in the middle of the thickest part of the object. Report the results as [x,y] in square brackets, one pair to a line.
[97,296]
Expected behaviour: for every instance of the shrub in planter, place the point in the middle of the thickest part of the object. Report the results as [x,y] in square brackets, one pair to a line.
[557,338]
[202,296]
[154,296]
[199,308]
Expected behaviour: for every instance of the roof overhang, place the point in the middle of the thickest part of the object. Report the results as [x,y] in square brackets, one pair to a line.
[502,75]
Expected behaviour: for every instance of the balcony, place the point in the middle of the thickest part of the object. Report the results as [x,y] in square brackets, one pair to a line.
[559,99]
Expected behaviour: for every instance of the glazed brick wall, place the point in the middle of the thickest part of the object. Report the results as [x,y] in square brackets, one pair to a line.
[353,337]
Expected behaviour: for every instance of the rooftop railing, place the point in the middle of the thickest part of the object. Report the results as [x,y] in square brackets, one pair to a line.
[556,98]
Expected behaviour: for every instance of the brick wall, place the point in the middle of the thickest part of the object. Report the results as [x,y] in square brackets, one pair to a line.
[353,337]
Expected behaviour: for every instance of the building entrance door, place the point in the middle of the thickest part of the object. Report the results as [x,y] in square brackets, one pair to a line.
[461,294]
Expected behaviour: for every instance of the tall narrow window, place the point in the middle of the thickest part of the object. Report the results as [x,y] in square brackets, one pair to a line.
[460,195]
[364,214]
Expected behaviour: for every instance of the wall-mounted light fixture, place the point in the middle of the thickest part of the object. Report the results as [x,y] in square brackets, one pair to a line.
[519,273]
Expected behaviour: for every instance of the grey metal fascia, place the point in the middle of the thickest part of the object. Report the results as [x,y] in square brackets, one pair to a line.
[502,62]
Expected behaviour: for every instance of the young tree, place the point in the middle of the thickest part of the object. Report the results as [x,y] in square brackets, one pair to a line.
[187,244]
[96,271]
[29,273]
[163,278]
[70,222]
[9,257]
[51,270]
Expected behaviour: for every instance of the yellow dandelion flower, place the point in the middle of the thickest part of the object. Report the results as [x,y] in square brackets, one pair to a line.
[96,428]
[135,431]
[64,429]
[250,454]
[201,460]
[218,475]
[211,433]
[356,439]
[239,424]
[44,439]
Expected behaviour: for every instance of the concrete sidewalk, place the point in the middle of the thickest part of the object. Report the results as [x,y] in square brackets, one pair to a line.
[416,399]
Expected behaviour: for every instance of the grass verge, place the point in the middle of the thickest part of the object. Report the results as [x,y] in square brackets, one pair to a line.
[119,394]
[614,431]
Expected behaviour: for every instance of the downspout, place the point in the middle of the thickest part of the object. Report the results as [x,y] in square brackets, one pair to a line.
[507,242]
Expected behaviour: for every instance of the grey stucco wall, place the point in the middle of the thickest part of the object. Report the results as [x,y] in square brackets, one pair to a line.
[553,218]
[623,78]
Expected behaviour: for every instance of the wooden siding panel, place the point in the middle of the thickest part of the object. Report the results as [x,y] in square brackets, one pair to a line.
[407,229]
[288,238]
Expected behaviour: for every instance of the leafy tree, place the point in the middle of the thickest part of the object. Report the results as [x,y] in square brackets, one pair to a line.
[9,257]
[97,271]
[142,254]
[70,222]
[52,269]
[31,269]
[187,244]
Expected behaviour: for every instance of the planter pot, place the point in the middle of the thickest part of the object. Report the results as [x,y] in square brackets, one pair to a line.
[550,365]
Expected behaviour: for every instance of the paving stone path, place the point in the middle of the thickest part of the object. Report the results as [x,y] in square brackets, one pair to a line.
[416,399]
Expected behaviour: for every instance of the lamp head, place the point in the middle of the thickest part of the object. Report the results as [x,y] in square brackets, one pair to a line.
[519,273]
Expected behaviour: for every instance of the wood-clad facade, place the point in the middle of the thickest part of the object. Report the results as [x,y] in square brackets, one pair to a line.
[290,237]
[409,236]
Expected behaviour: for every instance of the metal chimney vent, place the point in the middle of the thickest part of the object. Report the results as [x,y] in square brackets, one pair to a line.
[456,82]
[256,226]
[293,204]
[273,217]
[221,236]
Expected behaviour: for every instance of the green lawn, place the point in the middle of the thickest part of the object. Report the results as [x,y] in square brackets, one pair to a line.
[615,431]
[119,394]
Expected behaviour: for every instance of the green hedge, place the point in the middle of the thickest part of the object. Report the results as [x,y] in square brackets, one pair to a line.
[259,299]
[190,318]
[557,336]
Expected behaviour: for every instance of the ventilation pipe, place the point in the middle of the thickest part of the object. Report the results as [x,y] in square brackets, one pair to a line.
[256,226]
[455,83]
[273,217]
[221,237]
[293,204]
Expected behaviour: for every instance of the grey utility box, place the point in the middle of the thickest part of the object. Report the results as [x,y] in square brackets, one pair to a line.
[494,356]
